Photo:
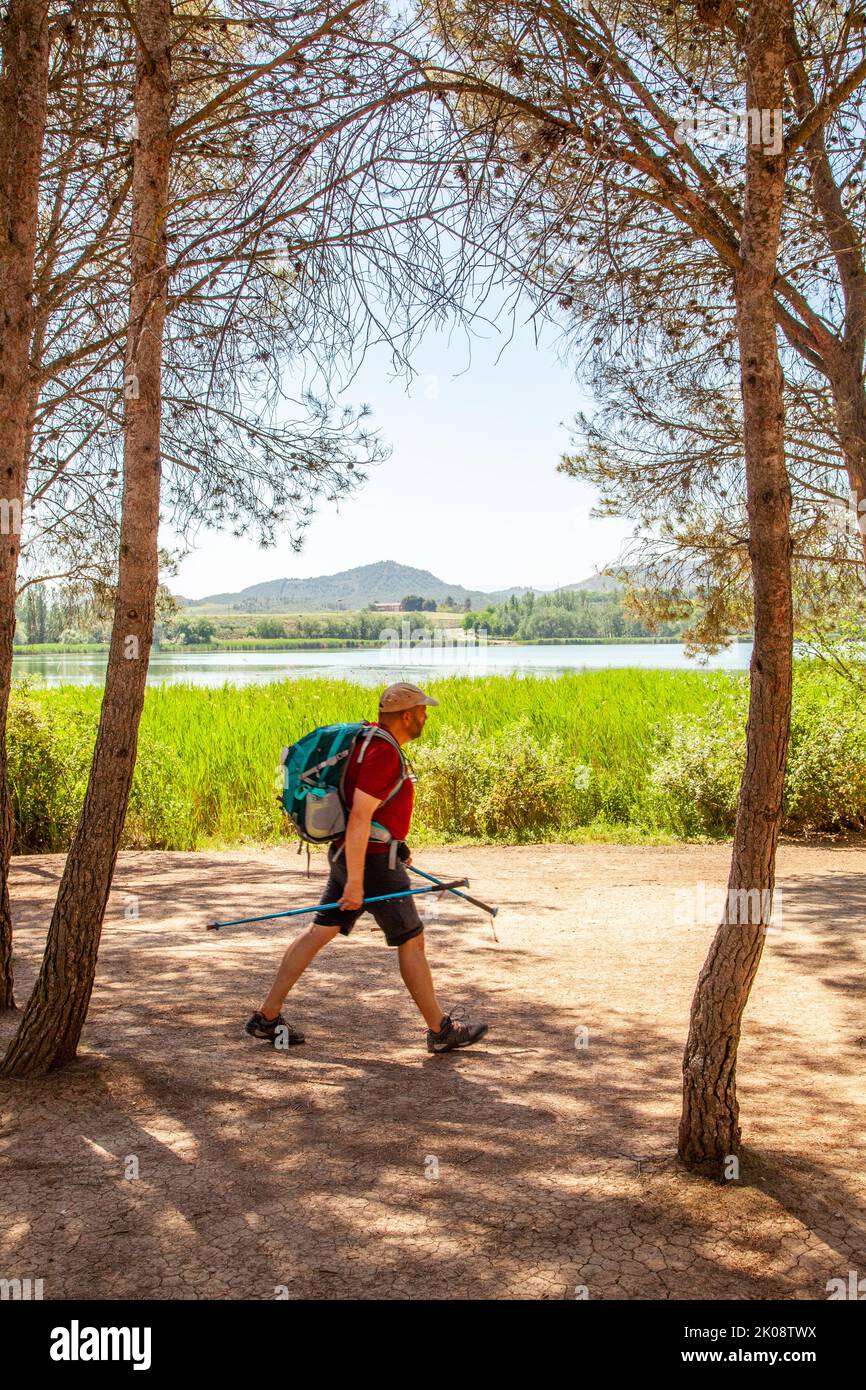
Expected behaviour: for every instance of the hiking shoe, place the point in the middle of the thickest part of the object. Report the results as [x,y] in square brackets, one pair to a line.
[275,1030]
[453,1035]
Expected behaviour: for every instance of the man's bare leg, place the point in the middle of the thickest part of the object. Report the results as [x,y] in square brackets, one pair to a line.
[303,949]
[419,981]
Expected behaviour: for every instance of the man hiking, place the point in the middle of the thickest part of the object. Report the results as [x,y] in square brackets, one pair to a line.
[362,866]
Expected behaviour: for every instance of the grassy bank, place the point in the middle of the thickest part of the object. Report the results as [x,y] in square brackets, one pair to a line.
[57,648]
[623,754]
[312,644]
[246,644]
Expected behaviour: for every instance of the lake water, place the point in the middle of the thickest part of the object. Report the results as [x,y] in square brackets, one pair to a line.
[381,665]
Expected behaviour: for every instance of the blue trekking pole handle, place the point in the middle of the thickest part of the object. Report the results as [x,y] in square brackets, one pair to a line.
[325,907]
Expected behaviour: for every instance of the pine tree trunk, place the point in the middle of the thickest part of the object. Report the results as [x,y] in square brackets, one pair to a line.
[55,1014]
[23,104]
[709,1127]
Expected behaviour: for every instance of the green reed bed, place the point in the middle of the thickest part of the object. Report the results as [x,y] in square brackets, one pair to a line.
[626,754]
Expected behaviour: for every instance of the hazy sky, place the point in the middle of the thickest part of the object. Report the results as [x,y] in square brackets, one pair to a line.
[470,491]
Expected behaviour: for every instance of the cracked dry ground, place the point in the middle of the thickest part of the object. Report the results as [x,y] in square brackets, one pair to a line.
[307,1169]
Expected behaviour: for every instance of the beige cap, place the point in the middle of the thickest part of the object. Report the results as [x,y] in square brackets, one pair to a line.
[403,696]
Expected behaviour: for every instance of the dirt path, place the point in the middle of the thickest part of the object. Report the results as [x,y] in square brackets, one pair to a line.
[315,1170]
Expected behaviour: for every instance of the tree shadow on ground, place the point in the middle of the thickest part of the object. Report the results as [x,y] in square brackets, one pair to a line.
[359,1166]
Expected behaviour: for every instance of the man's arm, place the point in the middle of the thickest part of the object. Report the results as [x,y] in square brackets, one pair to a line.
[357,836]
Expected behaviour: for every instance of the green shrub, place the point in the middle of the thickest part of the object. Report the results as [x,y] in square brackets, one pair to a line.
[825,784]
[524,787]
[158,816]
[269,627]
[48,763]
[508,785]
[695,777]
[698,761]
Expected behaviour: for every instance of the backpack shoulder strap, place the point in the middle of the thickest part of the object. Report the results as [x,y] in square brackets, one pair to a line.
[400,754]
[366,735]
[365,738]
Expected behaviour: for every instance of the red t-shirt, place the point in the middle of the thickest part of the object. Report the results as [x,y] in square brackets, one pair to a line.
[379,770]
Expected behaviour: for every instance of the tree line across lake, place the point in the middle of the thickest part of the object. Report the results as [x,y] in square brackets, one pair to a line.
[68,617]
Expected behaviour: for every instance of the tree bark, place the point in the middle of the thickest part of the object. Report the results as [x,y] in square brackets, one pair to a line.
[23,105]
[709,1126]
[55,1014]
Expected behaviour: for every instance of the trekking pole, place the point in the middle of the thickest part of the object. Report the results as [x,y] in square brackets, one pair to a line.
[325,907]
[475,901]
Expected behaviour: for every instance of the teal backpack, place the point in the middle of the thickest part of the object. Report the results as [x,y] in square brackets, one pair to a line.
[313,778]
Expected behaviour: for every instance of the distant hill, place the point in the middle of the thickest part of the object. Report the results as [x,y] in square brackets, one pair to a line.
[384,582]
[598,583]
[350,590]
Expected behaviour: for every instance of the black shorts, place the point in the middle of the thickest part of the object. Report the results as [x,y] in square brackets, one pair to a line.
[398,919]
